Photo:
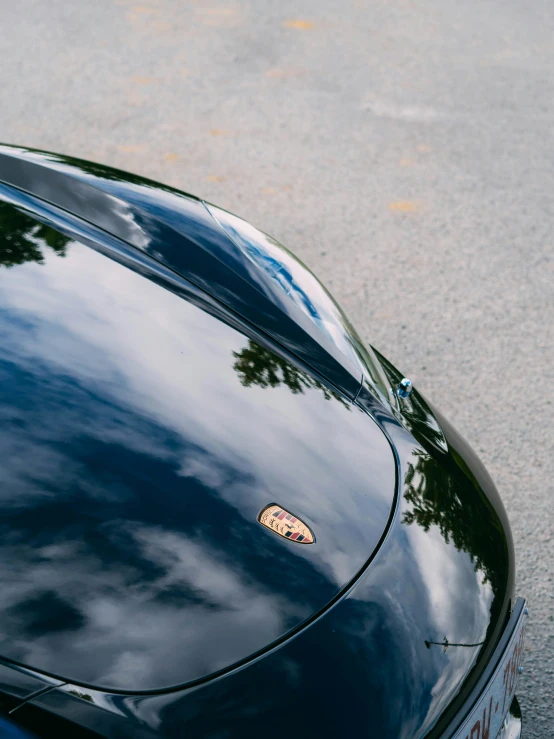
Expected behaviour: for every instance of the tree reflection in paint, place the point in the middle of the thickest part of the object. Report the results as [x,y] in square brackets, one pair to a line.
[24,239]
[434,499]
[257,366]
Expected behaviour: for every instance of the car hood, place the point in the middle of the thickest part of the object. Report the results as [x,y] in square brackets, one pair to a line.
[402,651]
[142,433]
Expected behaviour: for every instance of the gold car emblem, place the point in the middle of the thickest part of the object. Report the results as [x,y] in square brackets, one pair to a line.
[277,519]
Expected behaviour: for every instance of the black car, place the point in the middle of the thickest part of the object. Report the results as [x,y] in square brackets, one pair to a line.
[222,515]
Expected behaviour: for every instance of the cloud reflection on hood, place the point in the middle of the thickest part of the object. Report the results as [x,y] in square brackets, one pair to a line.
[137,462]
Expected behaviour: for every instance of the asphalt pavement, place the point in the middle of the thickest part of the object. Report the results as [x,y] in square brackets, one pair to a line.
[403,149]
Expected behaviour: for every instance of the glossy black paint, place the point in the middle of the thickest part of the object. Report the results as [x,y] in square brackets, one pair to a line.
[18,684]
[141,437]
[371,663]
[367,666]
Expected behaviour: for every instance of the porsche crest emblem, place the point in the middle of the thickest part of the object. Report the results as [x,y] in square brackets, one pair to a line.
[277,519]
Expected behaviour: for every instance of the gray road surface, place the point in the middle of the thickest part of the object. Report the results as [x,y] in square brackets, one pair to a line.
[404,149]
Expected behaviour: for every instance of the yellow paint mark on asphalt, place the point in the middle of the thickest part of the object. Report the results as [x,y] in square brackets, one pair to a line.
[424,148]
[218,132]
[404,206]
[171,157]
[300,25]
[215,178]
[268,190]
[161,26]
[142,80]
[131,148]
[223,17]
[406,162]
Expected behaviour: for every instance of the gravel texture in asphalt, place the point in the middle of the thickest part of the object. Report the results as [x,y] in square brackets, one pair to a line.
[403,149]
